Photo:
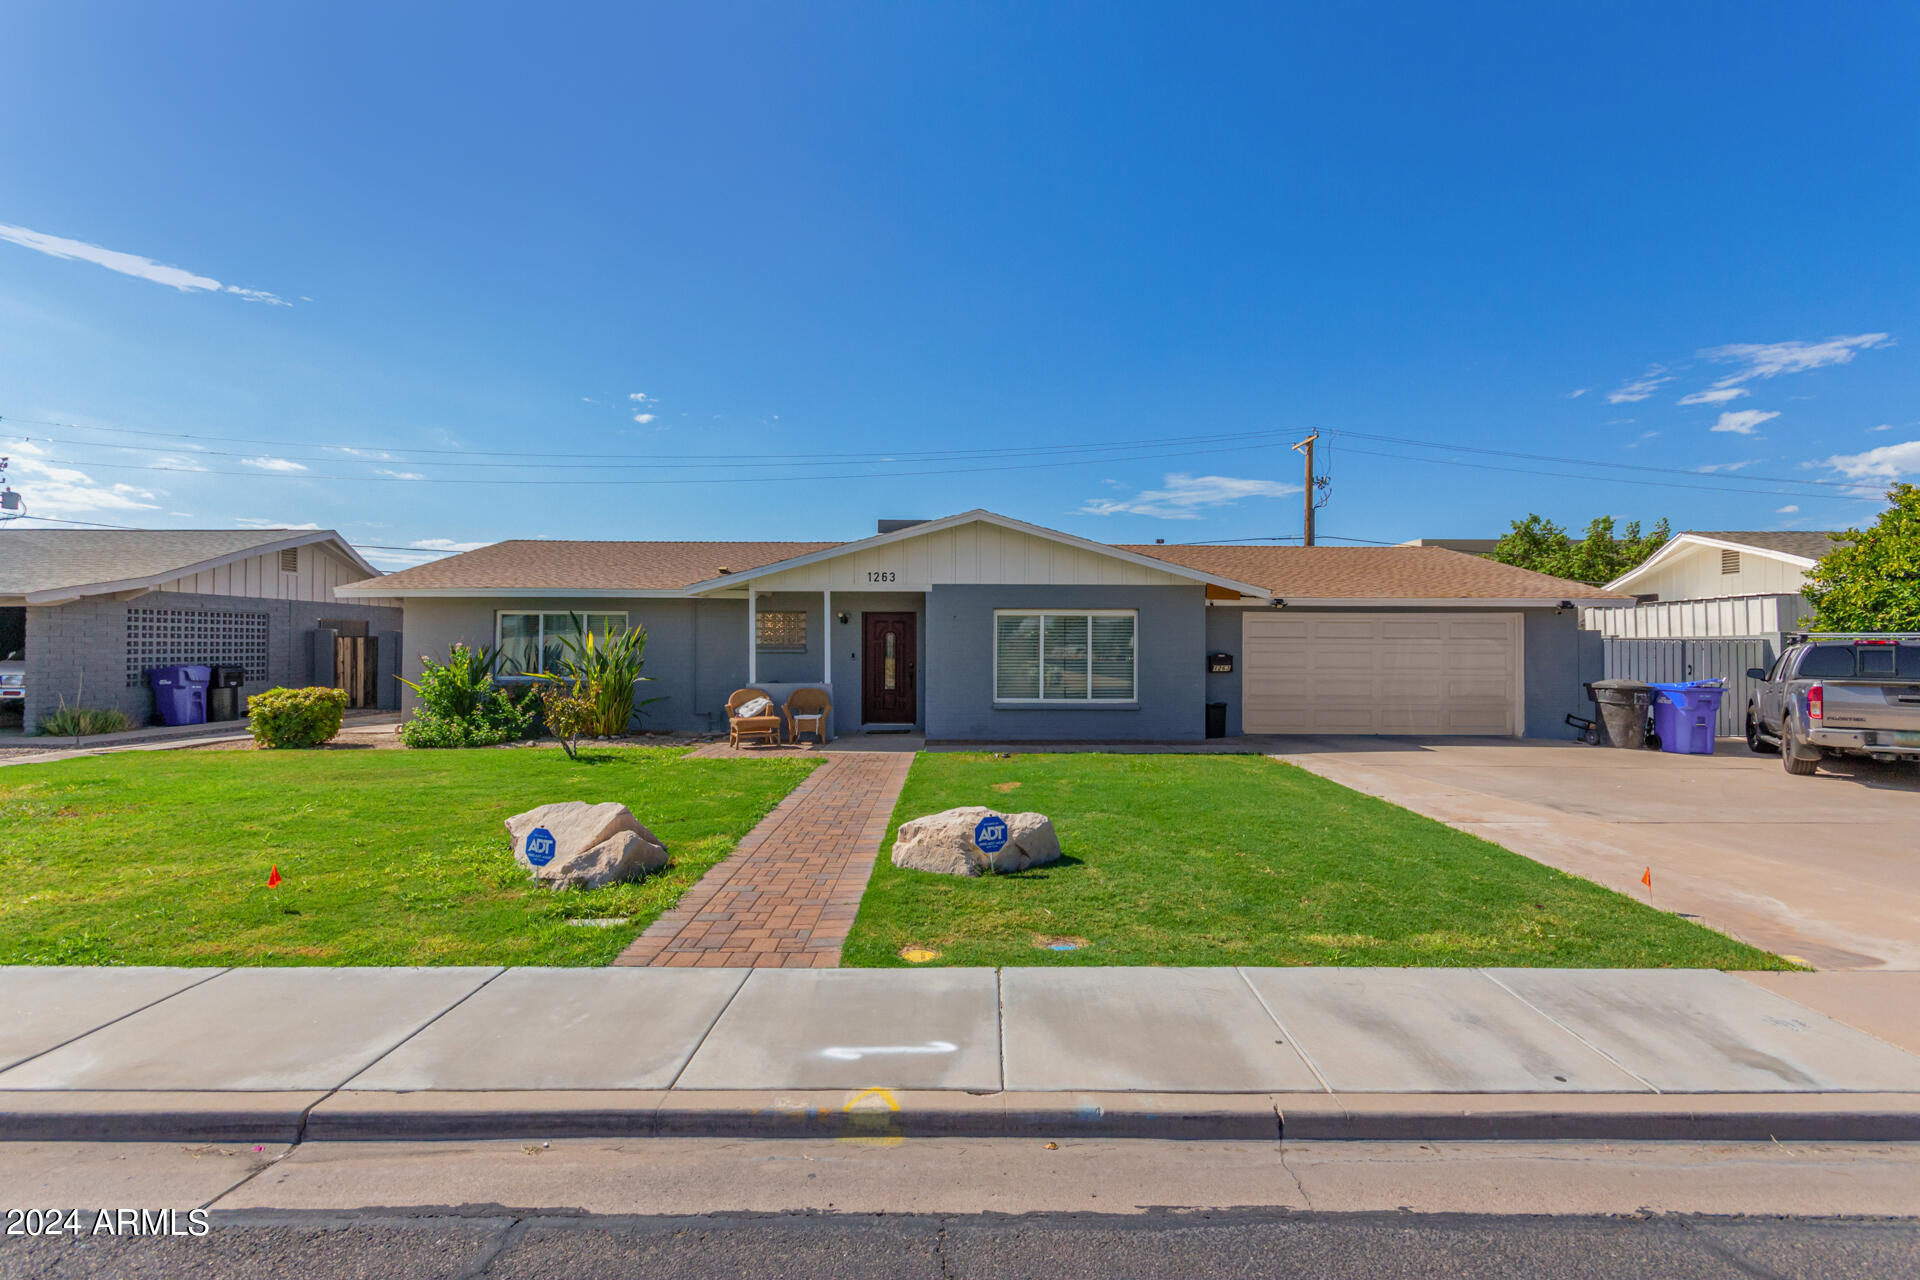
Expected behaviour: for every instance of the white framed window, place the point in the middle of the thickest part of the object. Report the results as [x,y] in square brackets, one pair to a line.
[530,644]
[1078,656]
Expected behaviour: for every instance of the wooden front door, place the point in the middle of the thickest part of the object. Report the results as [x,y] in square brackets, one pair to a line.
[887,668]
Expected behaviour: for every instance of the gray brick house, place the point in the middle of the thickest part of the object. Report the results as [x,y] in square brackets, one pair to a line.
[94,609]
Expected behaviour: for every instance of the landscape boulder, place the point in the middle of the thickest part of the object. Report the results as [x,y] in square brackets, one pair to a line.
[944,842]
[593,844]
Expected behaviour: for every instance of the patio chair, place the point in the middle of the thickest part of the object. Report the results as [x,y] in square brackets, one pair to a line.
[765,726]
[807,712]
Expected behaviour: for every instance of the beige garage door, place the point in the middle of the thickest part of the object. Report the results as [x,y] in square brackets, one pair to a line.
[1381,673]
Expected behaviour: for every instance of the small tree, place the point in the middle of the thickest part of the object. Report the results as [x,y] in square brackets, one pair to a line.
[1870,581]
[570,714]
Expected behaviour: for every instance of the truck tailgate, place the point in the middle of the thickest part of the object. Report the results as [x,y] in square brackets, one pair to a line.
[1865,704]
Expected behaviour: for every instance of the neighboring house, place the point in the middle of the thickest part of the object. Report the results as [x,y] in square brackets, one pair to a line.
[978,627]
[1472,546]
[96,608]
[1709,605]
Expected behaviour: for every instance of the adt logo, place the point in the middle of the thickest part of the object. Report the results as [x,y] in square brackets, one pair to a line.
[991,834]
[540,846]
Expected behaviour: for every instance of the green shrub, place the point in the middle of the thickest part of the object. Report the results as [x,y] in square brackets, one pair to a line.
[80,722]
[461,706]
[604,669]
[295,717]
[570,713]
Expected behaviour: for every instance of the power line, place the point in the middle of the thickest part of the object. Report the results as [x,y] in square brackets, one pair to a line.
[303,474]
[389,452]
[1567,475]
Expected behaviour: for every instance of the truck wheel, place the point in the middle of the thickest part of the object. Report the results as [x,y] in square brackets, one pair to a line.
[1788,761]
[1755,743]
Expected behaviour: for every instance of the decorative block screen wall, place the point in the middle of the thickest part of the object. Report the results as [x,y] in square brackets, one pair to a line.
[161,637]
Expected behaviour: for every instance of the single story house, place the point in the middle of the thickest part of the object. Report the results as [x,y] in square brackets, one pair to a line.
[95,609]
[1710,605]
[979,627]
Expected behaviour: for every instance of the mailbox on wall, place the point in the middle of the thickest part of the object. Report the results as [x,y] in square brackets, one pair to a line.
[1219,664]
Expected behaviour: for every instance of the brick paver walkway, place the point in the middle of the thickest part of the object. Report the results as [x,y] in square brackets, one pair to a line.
[787,895]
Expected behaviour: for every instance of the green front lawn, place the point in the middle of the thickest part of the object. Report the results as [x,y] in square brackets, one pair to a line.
[1197,859]
[386,857]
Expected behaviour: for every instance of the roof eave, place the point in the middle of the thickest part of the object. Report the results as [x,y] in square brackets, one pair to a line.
[1682,541]
[81,590]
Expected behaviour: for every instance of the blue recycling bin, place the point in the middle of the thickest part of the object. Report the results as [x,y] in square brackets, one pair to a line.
[180,693]
[1684,715]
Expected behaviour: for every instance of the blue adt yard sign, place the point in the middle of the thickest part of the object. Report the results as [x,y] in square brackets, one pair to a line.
[991,833]
[540,846]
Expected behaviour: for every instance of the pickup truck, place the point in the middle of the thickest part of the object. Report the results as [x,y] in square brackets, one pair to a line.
[1830,694]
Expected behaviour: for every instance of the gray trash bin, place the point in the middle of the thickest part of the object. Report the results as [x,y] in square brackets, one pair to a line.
[1620,711]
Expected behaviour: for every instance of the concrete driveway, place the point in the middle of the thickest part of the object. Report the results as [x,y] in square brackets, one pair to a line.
[1824,869]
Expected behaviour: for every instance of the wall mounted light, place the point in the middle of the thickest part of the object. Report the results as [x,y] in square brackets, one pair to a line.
[843,617]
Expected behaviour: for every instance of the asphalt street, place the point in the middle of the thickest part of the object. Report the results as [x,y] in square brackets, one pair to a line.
[1218,1245]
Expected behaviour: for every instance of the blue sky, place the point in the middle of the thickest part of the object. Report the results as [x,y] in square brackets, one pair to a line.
[972,239]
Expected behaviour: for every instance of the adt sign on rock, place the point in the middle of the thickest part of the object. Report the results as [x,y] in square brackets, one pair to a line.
[991,833]
[540,846]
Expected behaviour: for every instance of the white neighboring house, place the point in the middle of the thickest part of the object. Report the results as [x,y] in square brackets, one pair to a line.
[1724,585]
[1710,606]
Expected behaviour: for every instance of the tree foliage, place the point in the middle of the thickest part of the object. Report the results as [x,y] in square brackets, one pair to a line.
[1870,581]
[1600,556]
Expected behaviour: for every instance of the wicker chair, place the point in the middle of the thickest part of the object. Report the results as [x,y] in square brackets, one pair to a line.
[807,712]
[740,728]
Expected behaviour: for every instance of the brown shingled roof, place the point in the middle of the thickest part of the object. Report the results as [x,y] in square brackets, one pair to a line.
[1381,573]
[542,564]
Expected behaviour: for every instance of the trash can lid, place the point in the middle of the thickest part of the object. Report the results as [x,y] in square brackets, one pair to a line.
[1628,685]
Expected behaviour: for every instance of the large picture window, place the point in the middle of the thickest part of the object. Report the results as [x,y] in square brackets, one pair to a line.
[1043,656]
[531,643]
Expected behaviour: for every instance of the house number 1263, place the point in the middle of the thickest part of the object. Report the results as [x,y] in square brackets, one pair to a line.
[881,575]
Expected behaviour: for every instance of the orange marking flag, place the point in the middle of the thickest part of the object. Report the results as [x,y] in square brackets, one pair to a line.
[273,877]
[1646,877]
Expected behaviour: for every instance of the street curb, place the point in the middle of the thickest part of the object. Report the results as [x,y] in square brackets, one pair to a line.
[884,1115]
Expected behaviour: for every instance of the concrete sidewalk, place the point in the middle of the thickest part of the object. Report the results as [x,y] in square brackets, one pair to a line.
[1430,1054]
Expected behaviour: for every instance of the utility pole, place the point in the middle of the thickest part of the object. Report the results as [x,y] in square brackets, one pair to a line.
[1306,447]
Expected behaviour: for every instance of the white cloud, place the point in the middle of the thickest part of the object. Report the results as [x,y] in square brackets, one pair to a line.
[130,264]
[1719,395]
[258,522]
[52,490]
[1575,395]
[1885,426]
[641,397]
[643,418]
[1771,359]
[373,455]
[1888,462]
[1646,435]
[275,464]
[1183,496]
[398,475]
[177,464]
[446,544]
[1641,387]
[1743,421]
[1788,510]
[1712,467]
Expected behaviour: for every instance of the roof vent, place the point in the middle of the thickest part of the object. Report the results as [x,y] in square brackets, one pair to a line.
[894,526]
[1729,562]
[723,571]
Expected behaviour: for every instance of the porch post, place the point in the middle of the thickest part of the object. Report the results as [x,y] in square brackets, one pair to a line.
[753,636]
[826,633]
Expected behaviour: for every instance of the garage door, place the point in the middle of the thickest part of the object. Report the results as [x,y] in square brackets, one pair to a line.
[1381,673]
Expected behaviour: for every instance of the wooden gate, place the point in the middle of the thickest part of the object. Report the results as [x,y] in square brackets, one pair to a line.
[356,667]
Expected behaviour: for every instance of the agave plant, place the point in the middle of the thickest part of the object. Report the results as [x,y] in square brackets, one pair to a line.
[604,668]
